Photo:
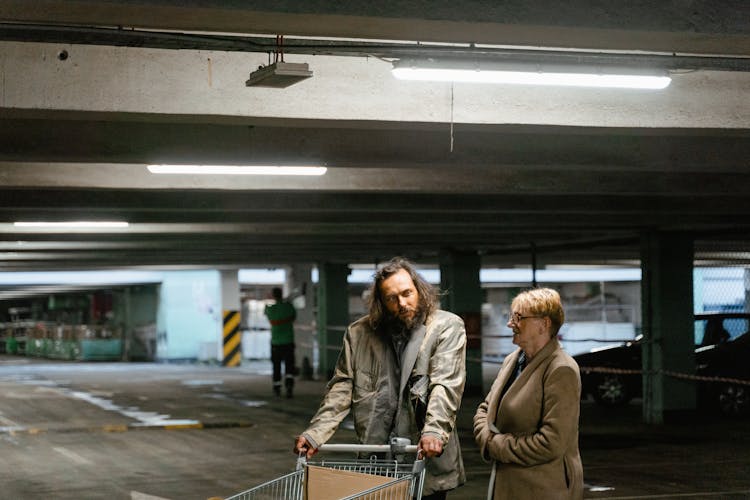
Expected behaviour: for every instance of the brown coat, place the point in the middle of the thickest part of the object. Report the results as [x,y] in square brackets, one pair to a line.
[531,435]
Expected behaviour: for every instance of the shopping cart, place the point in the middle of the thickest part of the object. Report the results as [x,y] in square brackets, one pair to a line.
[372,478]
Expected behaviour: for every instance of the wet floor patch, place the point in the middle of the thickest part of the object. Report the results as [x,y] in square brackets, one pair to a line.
[202,383]
[98,399]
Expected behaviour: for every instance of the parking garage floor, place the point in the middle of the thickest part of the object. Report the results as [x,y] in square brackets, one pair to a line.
[182,431]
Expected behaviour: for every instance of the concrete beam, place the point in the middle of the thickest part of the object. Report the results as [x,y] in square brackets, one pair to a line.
[436,179]
[43,136]
[208,84]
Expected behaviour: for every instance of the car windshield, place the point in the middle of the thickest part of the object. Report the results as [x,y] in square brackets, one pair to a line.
[709,331]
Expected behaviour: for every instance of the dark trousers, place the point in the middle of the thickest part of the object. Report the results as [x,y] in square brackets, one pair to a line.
[438,495]
[285,353]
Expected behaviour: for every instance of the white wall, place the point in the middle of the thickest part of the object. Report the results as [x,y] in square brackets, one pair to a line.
[189,315]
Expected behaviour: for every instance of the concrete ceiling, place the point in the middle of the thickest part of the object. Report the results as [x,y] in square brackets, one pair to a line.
[93,91]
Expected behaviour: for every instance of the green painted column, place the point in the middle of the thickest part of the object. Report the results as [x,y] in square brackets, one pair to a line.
[667,319]
[333,314]
[127,324]
[463,295]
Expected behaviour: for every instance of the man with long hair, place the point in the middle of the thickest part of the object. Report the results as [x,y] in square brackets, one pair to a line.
[401,372]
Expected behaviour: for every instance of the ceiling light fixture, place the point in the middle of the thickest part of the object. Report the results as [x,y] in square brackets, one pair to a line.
[236,170]
[278,74]
[530,74]
[75,224]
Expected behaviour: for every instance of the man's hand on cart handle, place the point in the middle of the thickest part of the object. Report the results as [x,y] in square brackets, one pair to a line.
[302,445]
[431,446]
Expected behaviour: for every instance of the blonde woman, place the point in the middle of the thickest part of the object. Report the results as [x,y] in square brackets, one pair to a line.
[527,425]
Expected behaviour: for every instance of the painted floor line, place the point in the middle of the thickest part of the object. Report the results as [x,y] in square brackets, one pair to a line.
[137,495]
[6,422]
[75,457]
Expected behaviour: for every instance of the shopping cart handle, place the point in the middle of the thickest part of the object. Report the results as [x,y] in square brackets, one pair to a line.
[397,446]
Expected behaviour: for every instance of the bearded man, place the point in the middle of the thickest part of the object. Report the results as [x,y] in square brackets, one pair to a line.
[401,372]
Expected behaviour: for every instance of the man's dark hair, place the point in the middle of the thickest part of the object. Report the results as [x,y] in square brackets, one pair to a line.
[428,295]
[277,294]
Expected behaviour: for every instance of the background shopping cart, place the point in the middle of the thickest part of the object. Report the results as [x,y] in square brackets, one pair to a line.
[358,479]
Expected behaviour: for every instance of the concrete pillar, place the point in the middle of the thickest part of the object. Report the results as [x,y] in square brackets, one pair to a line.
[138,312]
[459,277]
[333,314]
[230,290]
[667,309]
[230,304]
[299,289]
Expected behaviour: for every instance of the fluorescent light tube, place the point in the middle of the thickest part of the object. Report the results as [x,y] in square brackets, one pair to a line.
[527,74]
[75,224]
[235,170]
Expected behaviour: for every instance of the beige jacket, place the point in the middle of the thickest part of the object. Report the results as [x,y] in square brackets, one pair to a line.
[434,369]
[531,435]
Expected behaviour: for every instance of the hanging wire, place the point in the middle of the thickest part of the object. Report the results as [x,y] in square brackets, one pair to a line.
[451,117]
[279,50]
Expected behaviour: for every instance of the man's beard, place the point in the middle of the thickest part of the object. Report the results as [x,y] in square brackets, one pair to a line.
[395,325]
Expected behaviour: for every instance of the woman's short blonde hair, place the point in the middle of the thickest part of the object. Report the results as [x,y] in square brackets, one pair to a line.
[541,302]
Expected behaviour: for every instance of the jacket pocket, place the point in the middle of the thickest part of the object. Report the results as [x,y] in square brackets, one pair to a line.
[419,386]
[365,385]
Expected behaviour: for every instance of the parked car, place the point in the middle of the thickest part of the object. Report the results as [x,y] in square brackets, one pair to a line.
[722,354]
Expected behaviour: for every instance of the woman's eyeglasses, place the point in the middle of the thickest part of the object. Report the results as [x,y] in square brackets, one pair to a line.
[516,318]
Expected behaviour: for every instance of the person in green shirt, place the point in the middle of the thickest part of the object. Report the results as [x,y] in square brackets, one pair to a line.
[281,314]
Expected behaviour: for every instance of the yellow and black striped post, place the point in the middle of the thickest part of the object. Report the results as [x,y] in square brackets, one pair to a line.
[232,344]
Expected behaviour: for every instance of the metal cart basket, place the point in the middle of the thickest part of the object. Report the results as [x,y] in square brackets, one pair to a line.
[397,480]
